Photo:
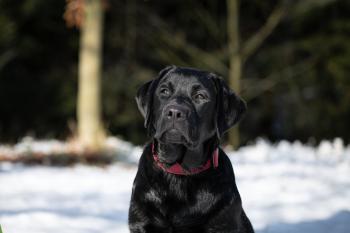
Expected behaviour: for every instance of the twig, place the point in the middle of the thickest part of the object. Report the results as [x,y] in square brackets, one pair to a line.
[260,36]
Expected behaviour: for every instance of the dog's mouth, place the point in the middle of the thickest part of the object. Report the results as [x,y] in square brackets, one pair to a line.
[175,136]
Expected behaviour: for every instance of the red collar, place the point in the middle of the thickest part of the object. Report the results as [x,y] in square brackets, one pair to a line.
[177,169]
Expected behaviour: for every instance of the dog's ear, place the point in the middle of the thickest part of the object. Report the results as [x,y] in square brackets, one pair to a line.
[229,107]
[144,97]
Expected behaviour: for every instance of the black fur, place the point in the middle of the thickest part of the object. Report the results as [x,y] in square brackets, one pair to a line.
[186,112]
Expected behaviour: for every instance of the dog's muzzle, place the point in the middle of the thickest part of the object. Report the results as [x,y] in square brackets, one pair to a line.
[176,125]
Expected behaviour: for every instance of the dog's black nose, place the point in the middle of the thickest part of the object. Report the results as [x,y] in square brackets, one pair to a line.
[176,114]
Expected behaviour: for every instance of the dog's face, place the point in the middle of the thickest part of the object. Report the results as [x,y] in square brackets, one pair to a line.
[188,106]
[181,104]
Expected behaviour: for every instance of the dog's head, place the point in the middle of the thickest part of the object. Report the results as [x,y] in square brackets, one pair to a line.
[188,106]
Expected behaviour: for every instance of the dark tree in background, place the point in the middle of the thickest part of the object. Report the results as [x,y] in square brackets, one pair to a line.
[294,78]
[87,15]
[235,60]
[37,70]
[239,54]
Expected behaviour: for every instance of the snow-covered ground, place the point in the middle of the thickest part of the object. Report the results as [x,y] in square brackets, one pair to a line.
[286,188]
[121,150]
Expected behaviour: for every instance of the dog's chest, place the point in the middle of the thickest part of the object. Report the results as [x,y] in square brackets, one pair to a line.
[181,200]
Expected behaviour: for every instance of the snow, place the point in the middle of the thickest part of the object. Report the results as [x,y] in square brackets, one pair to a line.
[285,188]
[124,151]
[295,188]
[72,200]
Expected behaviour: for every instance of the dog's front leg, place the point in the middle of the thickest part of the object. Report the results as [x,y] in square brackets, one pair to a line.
[142,222]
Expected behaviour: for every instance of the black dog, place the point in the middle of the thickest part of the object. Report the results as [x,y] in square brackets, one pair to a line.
[185,183]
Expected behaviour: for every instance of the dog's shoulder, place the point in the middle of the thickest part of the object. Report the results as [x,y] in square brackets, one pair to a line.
[225,163]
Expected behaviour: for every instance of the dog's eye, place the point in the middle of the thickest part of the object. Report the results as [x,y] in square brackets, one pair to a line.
[200,96]
[165,91]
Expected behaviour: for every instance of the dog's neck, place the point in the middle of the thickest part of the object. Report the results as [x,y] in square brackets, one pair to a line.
[187,157]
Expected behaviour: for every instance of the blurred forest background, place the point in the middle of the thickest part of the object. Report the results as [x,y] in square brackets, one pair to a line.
[295,64]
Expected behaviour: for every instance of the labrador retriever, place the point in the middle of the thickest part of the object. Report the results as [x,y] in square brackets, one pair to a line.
[185,182]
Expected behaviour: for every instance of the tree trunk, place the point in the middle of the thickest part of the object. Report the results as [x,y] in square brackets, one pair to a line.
[235,62]
[90,128]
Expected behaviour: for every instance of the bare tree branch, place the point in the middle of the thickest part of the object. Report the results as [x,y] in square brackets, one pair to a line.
[6,57]
[259,37]
[195,53]
[207,20]
[252,88]
[170,57]
[198,56]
